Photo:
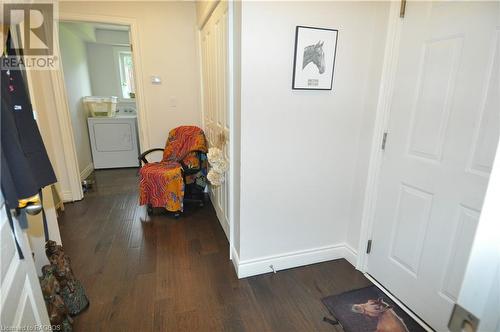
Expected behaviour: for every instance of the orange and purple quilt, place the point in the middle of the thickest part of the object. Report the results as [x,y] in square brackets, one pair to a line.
[161,184]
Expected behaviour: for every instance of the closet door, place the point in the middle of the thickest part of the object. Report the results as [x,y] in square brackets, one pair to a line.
[214,54]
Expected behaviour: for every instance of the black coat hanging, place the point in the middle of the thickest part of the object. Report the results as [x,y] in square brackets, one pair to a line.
[23,153]
[25,164]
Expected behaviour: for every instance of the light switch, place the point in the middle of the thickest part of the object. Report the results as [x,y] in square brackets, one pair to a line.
[155,79]
[172,102]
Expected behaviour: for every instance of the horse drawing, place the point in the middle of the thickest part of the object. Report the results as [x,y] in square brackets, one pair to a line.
[314,53]
[388,320]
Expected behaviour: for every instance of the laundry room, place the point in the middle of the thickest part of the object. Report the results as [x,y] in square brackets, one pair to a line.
[98,71]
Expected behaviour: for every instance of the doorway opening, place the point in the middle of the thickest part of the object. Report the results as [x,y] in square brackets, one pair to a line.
[100,86]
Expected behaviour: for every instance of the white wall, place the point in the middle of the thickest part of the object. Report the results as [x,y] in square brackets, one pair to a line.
[76,77]
[104,62]
[167,37]
[367,122]
[104,69]
[303,153]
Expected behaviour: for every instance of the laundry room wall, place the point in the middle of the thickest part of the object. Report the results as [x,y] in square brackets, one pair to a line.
[77,80]
[168,46]
[104,68]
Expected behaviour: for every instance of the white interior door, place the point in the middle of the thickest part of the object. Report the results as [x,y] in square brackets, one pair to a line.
[21,300]
[442,135]
[214,54]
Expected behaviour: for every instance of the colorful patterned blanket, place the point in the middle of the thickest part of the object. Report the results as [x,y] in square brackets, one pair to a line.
[161,184]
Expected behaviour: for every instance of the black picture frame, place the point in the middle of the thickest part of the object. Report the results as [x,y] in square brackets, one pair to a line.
[330,65]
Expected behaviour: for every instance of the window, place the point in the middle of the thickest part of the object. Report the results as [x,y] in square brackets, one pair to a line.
[127,75]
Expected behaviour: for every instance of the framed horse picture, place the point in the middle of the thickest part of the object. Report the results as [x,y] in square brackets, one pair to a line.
[314,60]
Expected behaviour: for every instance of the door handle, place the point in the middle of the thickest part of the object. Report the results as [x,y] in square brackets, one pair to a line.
[462,320]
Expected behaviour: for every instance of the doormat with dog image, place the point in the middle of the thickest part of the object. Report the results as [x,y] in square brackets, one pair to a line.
[369,309]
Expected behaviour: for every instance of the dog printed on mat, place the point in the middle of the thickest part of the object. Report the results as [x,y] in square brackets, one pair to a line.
[388,320]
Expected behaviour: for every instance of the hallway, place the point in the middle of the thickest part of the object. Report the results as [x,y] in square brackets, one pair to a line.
[162,274]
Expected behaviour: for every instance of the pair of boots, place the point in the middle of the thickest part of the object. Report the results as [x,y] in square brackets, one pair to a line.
[63,293]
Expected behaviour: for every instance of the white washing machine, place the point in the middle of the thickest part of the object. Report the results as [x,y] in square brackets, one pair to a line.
[114,141]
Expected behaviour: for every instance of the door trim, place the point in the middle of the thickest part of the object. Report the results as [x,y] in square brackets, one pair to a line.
[65,128]
[233,134]
[381,121]
[227,223]
[61,98]
[74,190]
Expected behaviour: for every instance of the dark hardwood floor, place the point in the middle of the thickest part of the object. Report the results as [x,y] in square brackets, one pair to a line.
[163,274]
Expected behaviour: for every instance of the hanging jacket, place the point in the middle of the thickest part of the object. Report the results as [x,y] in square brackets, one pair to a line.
[25,164]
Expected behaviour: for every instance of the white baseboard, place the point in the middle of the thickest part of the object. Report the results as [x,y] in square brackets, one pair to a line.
[251,267]
[67,196]
[350,254]
[86,171]
[220,215]
[223,222]
[235,258]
